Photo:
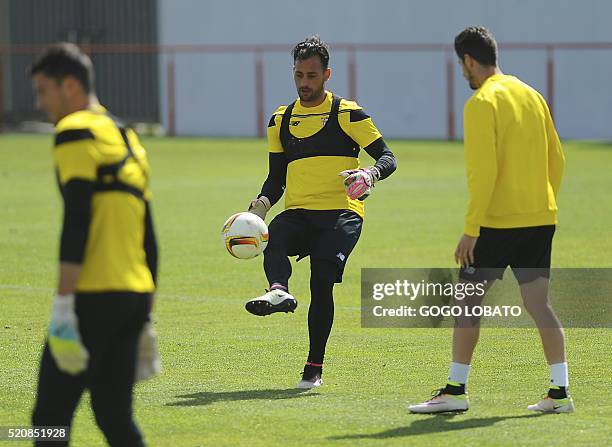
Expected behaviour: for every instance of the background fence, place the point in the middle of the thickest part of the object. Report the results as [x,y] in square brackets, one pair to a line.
[158,83]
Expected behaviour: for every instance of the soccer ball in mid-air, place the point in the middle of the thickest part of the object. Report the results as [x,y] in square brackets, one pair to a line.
[245,235]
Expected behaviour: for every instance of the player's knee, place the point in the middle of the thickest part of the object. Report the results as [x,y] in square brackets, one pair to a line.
[324,272]
[323,275]
[276,236]
[277,226]
[537,307]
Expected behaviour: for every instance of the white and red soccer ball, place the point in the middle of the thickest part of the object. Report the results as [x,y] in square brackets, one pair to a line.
[245,235]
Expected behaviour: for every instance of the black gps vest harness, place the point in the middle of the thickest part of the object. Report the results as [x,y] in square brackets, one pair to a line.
[329,140]
[108,175]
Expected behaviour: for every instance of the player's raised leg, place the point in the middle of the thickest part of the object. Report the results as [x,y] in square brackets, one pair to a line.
[287,233]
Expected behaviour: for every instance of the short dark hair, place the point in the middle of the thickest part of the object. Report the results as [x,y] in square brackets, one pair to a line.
[479,43]
[312,46]
[62,60]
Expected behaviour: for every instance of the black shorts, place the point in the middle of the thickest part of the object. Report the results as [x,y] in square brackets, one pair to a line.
[321,234]
[526,250]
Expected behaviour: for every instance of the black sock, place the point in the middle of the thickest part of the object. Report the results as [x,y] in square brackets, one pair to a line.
[454,389]
[559,392]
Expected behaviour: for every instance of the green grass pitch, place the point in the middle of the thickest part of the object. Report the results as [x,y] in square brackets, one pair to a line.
[228,375]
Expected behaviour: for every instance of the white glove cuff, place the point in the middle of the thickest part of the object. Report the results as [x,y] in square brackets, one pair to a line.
[63,304]
[374,173]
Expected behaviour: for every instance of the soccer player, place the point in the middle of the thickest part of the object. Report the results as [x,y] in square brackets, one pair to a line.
[514,168]
[108,253]
[314,145]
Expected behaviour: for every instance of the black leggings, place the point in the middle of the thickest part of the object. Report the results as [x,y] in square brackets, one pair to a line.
[321,311]
[110,326]
[328,237]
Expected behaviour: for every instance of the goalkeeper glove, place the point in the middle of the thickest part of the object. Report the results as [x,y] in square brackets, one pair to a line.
[63,337]
[358,183]
[260,206]
[148,362]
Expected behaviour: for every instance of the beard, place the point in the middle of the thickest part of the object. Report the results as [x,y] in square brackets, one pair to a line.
[472,82]
[311,95]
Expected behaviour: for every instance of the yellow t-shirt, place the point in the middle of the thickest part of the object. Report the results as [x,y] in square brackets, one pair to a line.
[513,156]
[115,258]
[312,179]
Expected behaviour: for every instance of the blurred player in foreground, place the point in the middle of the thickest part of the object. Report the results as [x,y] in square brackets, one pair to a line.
[100,336]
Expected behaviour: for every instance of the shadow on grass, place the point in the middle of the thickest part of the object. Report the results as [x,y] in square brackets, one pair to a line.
[435,424]
[209,397]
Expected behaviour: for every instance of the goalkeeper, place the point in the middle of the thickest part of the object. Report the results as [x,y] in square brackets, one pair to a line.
[99,336]
[314,145]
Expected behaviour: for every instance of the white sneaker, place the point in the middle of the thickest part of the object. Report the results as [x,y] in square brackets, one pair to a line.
[550,405]
[275,300]
[307,384]
[441,403]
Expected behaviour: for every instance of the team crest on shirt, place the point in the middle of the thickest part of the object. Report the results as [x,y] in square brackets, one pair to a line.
[324,119]
[295,123]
